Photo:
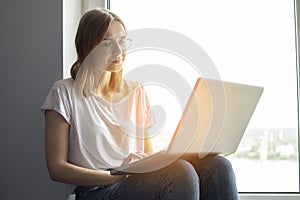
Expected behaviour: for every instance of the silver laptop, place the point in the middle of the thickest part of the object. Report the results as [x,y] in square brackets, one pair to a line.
[213,122]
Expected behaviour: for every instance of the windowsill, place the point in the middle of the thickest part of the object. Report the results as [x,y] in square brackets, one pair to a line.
[269,196]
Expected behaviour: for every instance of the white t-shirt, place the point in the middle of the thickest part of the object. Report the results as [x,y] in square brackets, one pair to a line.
[101,133]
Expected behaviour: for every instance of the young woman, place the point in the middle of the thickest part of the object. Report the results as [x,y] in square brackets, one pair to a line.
[97,120]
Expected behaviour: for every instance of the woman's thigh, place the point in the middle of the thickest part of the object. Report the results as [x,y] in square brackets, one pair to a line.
[177,181]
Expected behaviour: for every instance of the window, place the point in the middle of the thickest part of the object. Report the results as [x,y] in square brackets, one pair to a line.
[250,42]
[72,11]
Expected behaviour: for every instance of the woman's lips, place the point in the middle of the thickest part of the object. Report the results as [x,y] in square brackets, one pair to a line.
[117,61]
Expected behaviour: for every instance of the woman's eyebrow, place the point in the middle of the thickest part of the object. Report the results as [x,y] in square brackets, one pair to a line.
[116,35]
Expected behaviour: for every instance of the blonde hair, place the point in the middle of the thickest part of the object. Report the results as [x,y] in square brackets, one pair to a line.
[92,29]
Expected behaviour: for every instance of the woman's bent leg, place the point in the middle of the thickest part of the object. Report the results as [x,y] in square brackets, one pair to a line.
[177,181]
[217,179]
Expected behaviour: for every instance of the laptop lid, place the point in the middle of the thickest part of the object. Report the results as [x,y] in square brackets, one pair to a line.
[215,118]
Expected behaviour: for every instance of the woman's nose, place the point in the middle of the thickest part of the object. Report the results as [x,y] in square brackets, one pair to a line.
[117,51]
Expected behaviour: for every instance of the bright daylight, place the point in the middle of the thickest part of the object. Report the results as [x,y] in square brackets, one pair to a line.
[250,42]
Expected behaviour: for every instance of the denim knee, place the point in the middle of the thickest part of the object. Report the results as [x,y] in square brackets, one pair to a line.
[185,171]
[221,166]
[218,179]
[185,180]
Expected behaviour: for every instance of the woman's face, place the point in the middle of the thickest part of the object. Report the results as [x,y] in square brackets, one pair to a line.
[116,40]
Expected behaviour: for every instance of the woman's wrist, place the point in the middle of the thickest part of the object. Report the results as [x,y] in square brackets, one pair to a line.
[108,179]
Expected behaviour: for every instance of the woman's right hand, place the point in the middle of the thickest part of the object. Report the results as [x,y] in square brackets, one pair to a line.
[116,178]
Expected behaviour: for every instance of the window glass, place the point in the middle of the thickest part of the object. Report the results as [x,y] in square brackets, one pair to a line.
[250,42]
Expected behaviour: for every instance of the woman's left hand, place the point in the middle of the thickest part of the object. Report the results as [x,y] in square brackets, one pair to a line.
[134,157]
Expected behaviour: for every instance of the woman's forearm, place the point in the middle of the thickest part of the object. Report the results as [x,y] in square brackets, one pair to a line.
[75,175]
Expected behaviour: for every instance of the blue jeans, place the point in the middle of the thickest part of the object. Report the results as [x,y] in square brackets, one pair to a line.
[217,179]
[189,178]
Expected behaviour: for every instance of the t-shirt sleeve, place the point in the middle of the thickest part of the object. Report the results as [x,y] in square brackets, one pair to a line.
[147,119]
[149,116]
[58,99]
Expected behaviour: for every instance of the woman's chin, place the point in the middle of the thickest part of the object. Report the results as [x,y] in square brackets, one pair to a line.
[114,67]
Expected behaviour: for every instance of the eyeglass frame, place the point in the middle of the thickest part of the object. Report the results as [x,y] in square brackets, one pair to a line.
[113,41]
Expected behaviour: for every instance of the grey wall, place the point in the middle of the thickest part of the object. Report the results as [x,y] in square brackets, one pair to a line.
[30,61]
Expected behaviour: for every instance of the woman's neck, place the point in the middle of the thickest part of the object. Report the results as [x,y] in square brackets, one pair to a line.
[105,91]
[103,84]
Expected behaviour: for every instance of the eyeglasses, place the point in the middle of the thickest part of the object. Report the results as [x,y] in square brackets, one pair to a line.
[110,43]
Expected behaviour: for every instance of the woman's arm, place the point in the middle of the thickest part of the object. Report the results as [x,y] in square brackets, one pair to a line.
[148,147]
[56,138]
